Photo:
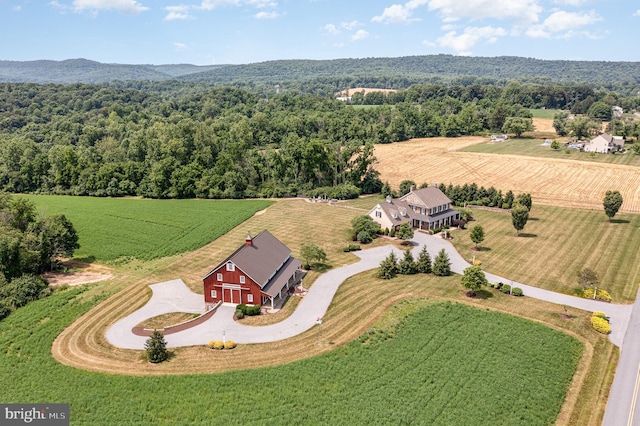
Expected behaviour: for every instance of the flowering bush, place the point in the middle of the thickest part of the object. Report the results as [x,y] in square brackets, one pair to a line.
[600,324]
[230,344]
[600,294]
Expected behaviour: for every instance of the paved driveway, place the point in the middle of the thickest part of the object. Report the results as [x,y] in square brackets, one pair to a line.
[174,296]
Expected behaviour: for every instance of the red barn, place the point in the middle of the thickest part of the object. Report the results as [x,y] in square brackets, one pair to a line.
[258,273]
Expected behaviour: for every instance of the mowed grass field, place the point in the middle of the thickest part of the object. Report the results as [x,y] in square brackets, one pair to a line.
[441,363]
[116,228]
[560,182]
[533,147]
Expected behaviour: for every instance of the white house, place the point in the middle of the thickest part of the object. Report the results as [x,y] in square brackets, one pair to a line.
[604,144]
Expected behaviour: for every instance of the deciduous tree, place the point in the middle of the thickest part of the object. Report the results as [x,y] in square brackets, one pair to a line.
[311,252]
[519,217]
[517,125]
[612,202]
[473,278]
[477,235]
[405,232]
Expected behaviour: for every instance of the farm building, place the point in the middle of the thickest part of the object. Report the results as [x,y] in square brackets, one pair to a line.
[604,144]
[426,208]
[260,272]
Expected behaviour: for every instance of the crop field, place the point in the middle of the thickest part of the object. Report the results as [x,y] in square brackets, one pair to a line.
[429,360]
[561,182]
[532,147]
[114,228]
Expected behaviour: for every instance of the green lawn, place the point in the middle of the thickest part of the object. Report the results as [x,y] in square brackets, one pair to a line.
[113,228]
[543,113]
[442,363]
[533,148]
[555,244]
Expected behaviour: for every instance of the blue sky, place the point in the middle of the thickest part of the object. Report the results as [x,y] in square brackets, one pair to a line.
[205,32]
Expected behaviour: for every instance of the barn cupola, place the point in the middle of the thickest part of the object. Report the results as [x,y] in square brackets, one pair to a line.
[249,240]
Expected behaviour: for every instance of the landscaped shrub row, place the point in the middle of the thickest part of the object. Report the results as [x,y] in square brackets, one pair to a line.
[219,344]
[506,288]
[600,294]
[351,247]
[600,323]
[243,310]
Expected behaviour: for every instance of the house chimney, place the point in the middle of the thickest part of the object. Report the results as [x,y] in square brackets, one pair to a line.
[389,199]
[435,183]
[249,240]
[412,188]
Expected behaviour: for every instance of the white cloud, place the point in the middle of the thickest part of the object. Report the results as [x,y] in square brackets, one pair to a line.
[464,42]
[575,3]
[395,14]
[350,25]
[180,47]
[561,24]
[266,15]
[360,35]
[177,13]
[212,4]
[331,29]
[17,8]
[453,10]
[127,6]
[637,13]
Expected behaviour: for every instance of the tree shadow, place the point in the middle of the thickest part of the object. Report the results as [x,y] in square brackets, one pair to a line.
[533,218]
[482,294]
[320,267]
[86,259]
[482,248]
[526,235]
[619,221]
[407,243]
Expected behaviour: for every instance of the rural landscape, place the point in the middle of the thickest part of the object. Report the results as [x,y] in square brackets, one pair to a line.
[113,185]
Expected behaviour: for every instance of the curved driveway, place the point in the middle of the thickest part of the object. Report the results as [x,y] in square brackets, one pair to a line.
[174,296]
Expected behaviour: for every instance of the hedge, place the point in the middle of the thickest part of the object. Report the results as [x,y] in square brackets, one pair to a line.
[600,324]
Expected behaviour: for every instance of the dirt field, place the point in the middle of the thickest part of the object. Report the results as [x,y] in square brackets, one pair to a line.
[566,183]
[78,273]
[363,89]
[543,125]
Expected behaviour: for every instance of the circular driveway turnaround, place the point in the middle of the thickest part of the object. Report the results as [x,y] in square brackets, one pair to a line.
[174,296]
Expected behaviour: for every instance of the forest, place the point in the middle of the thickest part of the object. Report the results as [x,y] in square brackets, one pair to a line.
[185,140]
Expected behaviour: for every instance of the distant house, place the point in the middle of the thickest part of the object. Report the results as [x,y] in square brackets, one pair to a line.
[604,144]
[616,111]
[426,208]
[499,138]
[260,272]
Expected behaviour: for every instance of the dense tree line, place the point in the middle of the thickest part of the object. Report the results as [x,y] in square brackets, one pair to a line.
[171,140]
[29,245]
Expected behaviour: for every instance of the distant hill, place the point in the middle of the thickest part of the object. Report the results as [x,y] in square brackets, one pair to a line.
[86,71]
[399,71]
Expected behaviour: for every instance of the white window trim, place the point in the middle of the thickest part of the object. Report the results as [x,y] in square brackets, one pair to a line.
[214,294]
[242,279]
[219,277]
[250,298]
[231,267]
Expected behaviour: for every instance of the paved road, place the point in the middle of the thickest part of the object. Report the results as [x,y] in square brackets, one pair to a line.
[174,296]
[623,406]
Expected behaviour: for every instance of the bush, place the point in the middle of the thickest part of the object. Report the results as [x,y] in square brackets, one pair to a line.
[599,314]
[517,291]
[505,288]
[600,294]
[239,314]
[248,310]
[218,344]
[600,325]
[351,247]
[211,344]
[230,344]
[364,237]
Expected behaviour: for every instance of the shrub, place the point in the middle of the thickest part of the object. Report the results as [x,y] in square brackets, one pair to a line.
[211,344]
[599,314]
[600,325]
[364,237]
[351,247]
[600,294]
[218,344]
[506,206]
[239,314]
[517,291]
[247,310]
[505,288]
[230,344]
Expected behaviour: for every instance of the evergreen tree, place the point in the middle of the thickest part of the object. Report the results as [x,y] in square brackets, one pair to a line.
[442,264]
[386,189]
[423,265]
[388,267]
[156,347]
[407,266]
[525,200]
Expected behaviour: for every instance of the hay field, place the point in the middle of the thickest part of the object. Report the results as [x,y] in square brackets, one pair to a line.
[566,183]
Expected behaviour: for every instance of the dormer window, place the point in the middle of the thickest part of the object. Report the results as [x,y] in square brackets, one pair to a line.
[231,267]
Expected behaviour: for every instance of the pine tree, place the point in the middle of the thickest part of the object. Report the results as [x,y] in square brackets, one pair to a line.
[441,264]
[423,265]
[388,267]
[407,266]
[156,347]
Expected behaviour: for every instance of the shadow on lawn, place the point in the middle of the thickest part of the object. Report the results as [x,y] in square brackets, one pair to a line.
[619,221]
[526,235]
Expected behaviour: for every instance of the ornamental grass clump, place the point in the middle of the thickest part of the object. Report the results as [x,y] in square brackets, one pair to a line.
[600,323]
